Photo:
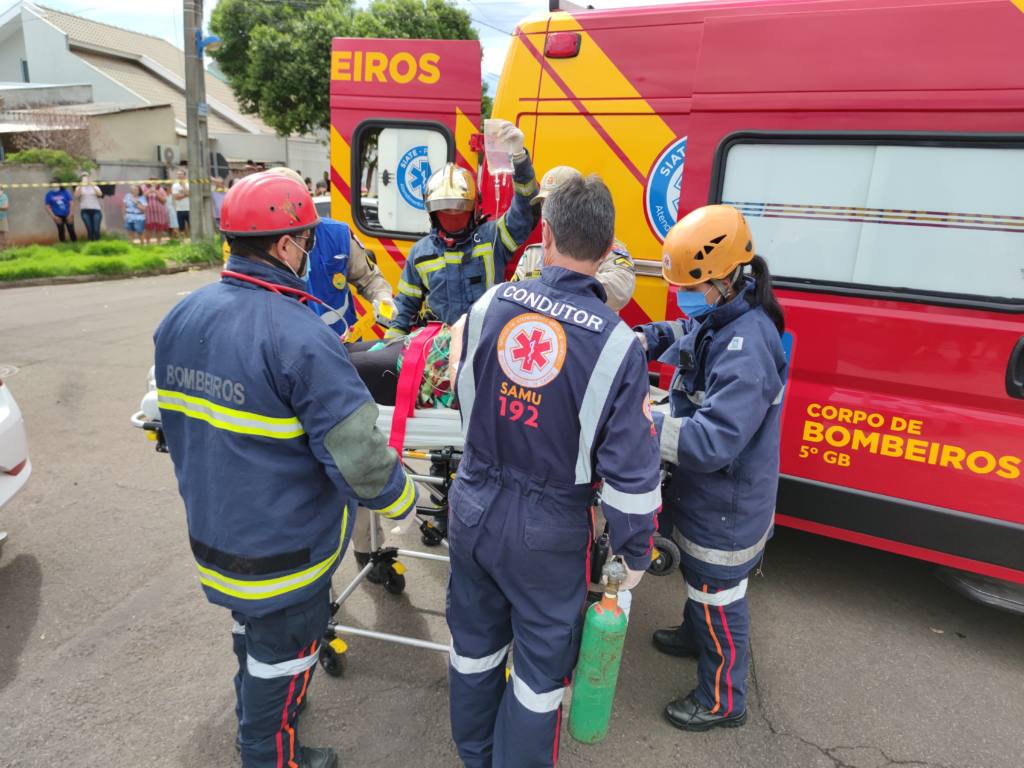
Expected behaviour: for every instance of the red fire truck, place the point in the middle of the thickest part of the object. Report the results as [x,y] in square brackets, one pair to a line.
[877,150]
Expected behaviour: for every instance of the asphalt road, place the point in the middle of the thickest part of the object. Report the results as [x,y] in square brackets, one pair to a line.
[109,653]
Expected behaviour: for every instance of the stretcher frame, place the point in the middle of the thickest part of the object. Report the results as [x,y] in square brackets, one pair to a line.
[336,630]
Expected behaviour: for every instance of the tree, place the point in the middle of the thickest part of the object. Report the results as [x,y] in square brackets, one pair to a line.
[276,53]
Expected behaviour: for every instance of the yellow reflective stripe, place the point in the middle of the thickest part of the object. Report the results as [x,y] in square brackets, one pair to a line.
[453,257]
[428,266]
[264,589]
[485,252]
[409,289]
[230,419]
[506,236]
[526,189]
[402,504]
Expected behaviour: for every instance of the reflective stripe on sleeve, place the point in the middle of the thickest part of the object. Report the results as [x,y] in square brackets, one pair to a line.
[594,399]
[264,589]
[409,289]
[467,665]
[527,189]
[506,236]
[486,252]
[669,446]
[402,504]
[722,556]
[540,703]
[467,377]
[631,503]
[229,419]
[677,328]
[722,597]
[431,265]
[288,668]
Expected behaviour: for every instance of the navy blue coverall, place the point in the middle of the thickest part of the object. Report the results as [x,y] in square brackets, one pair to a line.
[723,438]
[554,395]
[273,439]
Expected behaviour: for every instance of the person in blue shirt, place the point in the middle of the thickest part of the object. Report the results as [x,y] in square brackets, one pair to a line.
[58,206]
[722,438]
[274,441]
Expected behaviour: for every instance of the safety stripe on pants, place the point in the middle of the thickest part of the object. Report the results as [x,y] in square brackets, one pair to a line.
[539,703]
[289,668]
[598,389]
[722,597]
[467,376]
[467,665]
[723,556]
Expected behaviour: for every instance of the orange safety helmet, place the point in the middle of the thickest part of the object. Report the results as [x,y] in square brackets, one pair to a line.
[266,204]
[706,244]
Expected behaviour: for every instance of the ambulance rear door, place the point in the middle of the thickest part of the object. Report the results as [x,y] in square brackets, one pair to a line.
[400,109]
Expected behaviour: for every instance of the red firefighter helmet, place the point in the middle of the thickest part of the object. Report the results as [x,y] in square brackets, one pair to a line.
[265,204]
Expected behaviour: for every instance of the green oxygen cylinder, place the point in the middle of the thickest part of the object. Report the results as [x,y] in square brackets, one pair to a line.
[604,634]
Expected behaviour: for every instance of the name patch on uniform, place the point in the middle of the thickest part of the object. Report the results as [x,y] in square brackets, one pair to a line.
[531,349]
[735,344]
[207,383]
[560,310]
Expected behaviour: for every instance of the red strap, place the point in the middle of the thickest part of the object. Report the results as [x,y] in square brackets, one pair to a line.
[414,359]
[283,290]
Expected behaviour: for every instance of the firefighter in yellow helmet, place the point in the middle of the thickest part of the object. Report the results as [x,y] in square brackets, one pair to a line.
[450,268]
[722,436]
[617,272]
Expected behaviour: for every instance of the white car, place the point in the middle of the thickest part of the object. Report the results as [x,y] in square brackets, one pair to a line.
[15,465]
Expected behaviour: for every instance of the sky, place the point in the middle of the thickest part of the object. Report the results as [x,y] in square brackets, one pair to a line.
[493,19]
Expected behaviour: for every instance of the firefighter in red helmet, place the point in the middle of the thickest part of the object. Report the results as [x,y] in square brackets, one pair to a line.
[273,438]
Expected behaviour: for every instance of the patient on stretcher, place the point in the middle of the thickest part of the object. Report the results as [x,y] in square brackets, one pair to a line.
[379,369]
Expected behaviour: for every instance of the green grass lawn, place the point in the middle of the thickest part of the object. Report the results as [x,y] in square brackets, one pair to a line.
[102,257]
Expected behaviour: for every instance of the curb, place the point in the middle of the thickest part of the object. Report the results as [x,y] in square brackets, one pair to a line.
[34,282]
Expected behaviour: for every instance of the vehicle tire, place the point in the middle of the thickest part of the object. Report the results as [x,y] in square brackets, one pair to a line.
[333,663]
[667,559]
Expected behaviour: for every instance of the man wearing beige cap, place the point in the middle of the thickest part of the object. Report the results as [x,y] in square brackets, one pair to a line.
[617,273]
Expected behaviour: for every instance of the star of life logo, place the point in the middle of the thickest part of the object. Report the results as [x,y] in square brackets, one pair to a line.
[531,349]
[664,182]
[413,173]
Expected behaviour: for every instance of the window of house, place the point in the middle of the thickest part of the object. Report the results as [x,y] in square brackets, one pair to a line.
[945,219]
[391,166]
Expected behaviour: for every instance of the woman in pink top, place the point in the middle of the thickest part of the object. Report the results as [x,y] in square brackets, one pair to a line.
[156,212]
[88,196]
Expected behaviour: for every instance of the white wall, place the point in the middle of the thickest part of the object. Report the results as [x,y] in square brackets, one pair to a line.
[311,157]
[12,51]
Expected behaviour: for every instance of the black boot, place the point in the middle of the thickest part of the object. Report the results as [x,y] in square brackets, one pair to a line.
[670,641]
[317,757]
[689,714]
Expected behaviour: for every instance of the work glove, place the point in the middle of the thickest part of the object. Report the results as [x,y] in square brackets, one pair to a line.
[384,310]
[511,137]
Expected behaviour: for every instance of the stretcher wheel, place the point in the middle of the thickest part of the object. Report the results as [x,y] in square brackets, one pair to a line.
[665,558]
[431,536]
[394,582]
[333,663]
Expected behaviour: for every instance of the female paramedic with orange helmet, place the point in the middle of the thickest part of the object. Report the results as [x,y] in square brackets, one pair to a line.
[723,438]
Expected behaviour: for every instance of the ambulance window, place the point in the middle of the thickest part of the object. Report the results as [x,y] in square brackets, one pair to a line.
[909,218]
[390,168]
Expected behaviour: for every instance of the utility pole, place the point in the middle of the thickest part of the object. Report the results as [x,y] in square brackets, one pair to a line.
[196,110]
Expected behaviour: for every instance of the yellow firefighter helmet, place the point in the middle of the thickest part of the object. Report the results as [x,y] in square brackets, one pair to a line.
[707,244]
[451,189]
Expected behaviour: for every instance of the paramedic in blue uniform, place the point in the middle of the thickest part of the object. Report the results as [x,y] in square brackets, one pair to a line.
[273,441]
[463,256]
[338,261]
[553,391]
[722,436]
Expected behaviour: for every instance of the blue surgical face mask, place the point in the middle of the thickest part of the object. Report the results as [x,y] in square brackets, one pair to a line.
[692,303]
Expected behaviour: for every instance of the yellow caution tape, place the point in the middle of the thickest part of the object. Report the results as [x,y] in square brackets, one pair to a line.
[47,184]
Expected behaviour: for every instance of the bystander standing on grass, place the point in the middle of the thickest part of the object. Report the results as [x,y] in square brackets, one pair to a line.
[172,213]
[5,205]
[156,213]
[58,204]
[180,192]
[217,192]
[134,212]
[88,196]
